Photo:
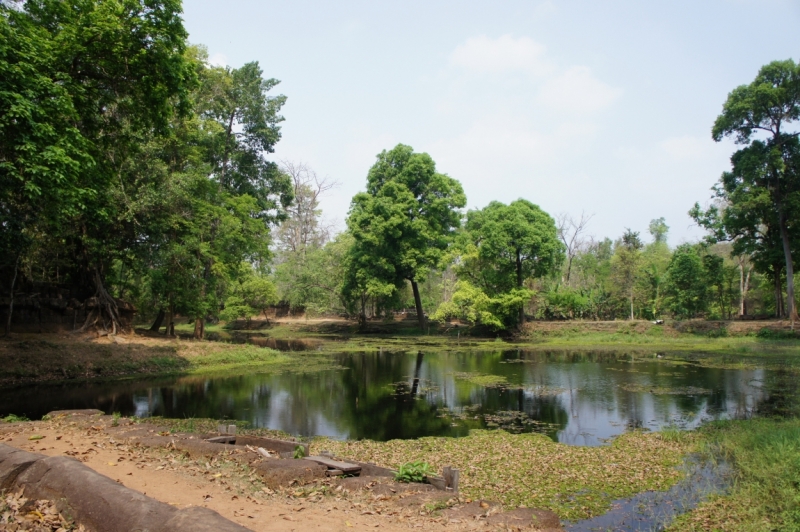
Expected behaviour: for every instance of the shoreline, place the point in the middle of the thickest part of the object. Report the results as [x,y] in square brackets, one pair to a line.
[52,358]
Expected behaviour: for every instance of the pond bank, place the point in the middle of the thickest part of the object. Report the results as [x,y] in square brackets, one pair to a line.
[762,458]
[50,357]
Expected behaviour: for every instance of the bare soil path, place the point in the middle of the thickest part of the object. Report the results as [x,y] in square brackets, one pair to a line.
[172,477]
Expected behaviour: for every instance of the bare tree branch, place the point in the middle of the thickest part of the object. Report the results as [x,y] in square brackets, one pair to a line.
[571,232]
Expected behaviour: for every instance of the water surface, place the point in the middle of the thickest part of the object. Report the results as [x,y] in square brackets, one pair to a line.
[579,398]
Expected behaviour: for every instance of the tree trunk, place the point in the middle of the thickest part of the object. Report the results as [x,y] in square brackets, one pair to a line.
[199,328]
[519,285]
[741,288]
[105,304]
[11,301]
[631,303]
[159,320]
[418,304]
[170,331]
[787,252]
[362,318]
[778,293]
[744,287]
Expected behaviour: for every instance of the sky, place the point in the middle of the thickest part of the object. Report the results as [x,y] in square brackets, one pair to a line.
[596,107]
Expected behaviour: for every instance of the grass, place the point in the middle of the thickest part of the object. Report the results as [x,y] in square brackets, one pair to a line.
[47,358]
[765,454]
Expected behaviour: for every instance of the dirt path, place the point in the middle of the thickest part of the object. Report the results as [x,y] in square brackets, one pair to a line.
[171,477]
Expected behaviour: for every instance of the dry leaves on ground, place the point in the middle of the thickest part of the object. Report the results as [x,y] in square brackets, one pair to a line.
[18,513]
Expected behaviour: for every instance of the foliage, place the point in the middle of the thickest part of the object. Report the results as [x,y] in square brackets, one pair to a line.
[416,471]
[471,304]
[502,246]
[299,452]
[253,293]
[766,172]
[402,225]
[313,279]
[687,286]
[13,418]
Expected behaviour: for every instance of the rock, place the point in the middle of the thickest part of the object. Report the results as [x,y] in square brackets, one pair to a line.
[13,462]
[103,505]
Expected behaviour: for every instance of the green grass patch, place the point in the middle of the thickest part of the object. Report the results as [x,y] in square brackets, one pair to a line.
[765,454]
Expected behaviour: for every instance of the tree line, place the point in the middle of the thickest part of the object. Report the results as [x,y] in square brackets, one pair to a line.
[132,169]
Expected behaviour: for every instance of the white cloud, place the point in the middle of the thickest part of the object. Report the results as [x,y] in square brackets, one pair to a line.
[686,147]
[504,54]
[220,60]
[506,157]
[577,90]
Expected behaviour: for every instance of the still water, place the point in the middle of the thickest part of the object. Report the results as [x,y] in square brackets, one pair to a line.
[578,398]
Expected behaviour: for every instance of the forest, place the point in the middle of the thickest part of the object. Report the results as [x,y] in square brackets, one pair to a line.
[135,172]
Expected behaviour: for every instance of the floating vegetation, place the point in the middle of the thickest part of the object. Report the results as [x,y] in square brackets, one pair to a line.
[423,387]
[662,390]
[482,379]
[533,471]
[516,421]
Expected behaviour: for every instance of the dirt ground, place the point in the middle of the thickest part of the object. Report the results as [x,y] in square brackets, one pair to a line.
[233,490]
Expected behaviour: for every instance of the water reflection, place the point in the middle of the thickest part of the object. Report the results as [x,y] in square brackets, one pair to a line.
[579,398]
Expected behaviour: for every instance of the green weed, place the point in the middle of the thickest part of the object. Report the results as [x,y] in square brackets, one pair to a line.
[413,472]
[12,418]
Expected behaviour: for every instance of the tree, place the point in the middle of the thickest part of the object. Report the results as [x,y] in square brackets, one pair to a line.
[253,293]
[655,259]
[687,282]
[82,81]
[302,228]
[509,244]
[402,224]
[570,231]
[243,121]
[625,264]
[744,213]
[658,228]
[315,280]
[769,105]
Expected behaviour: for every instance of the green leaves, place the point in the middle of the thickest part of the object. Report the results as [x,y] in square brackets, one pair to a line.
[502,247]
[403,224]
[770,102]
[416,471]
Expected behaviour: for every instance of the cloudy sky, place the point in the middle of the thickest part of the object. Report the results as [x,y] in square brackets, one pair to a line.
[603,107]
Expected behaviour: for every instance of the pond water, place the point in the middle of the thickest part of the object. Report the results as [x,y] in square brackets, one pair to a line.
[579,398]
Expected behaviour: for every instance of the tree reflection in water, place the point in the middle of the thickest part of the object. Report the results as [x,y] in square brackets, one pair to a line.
[577,397]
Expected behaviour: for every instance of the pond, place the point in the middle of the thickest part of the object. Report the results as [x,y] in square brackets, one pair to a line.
[578,398]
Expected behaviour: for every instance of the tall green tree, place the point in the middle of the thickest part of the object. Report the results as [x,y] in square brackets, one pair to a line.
[509,244]
[403,224]
[243,124]
[768,107]
[118,74]
[625,264]
[686,280]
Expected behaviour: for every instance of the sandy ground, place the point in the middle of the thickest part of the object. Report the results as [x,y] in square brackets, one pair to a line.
[171,478]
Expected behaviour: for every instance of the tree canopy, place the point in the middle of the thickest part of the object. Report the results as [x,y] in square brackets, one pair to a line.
[403,223]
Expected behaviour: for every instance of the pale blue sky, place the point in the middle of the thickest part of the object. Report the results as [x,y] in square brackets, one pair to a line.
[597,106]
